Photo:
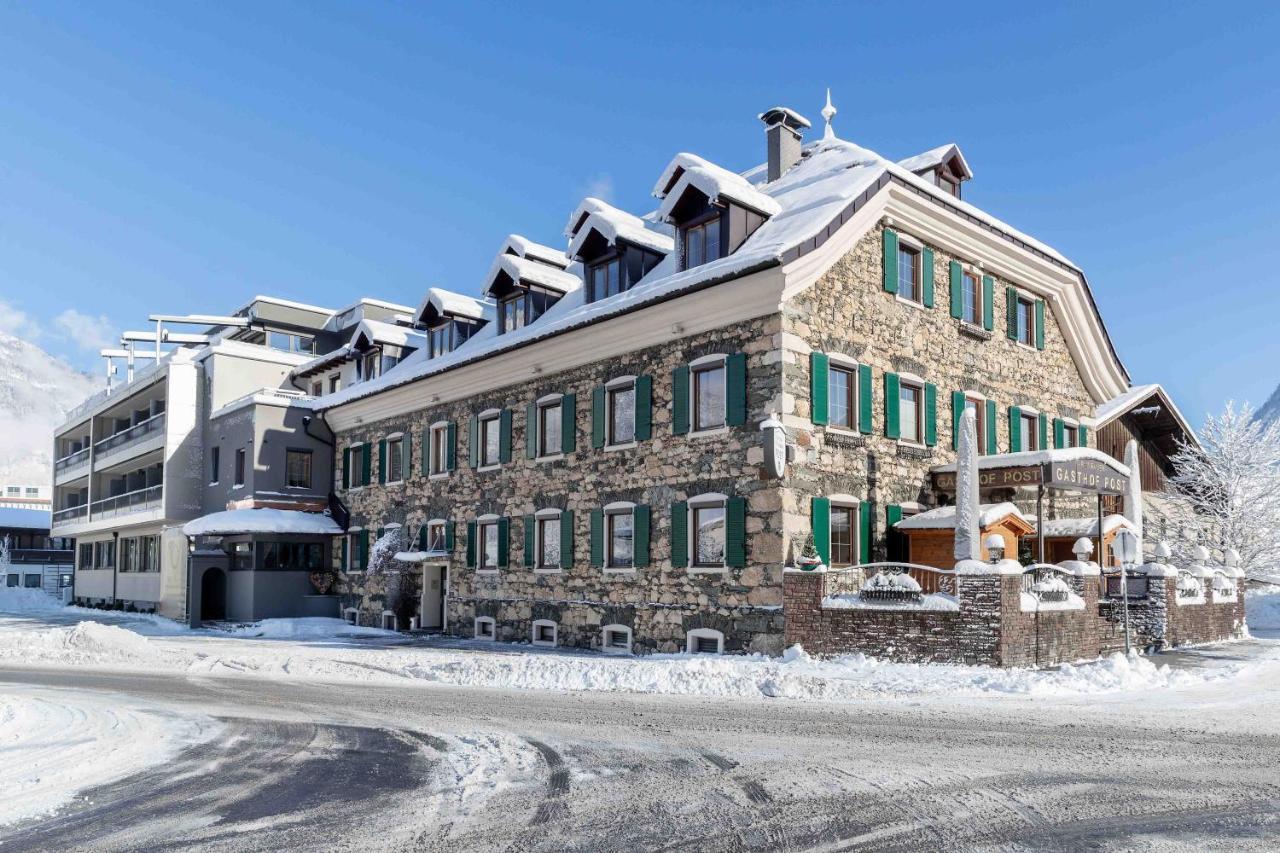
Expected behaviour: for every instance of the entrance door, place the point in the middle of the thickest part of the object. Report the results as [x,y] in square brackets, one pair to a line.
[213,594]
[435,580]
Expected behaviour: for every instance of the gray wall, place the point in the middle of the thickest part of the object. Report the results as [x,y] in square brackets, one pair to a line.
[266,433]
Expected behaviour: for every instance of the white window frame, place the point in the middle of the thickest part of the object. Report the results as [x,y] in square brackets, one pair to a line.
[720,360]
[1034,414]
[1023,296]
[442,524]
[395,444]
[492,636]
[544,623]
[351,616]
[482,522]
[394,622]
[538,518]
[692,637]
[980,406]
[976,273]
[845,502]
[619,383]
[849,365]
[916,382]
[618,508]
[546,402]
[358,469]
[353,543]
[905,241]
[705,501]
[616,650]
[439,432]
[488,416]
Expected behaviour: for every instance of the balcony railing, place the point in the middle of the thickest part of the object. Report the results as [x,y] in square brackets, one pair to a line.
[135,501]
[40,555]
[134,433]
[71,460]
[70,513]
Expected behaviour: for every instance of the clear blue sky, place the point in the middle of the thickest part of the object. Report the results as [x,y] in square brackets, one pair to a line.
[183,157]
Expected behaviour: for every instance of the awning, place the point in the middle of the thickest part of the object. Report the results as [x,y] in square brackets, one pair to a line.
[234,521]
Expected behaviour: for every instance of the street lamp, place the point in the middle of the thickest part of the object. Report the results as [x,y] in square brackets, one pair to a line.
[1126,545]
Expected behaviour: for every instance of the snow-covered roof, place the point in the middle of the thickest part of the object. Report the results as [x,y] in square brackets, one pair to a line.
[944,517]
[715,182]
[614,224]
[935,157]
[786,114]
[284,303]
[1117,406]
[1058,528]
[378,332]
[1040,457]
[233,521]
[516,244]
[831,180]
[533,272]
[20,518]
[456,304]
[320,362]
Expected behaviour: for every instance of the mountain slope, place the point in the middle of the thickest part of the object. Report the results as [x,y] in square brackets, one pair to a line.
[1270,410]
[36,391]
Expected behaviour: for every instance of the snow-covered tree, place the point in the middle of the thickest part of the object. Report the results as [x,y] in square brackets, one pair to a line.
[1233,479]
[4,550]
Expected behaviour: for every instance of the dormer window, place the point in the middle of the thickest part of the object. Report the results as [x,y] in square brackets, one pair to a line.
[701,242]
[369,364]
[606,278]
[447,336]
[524,306]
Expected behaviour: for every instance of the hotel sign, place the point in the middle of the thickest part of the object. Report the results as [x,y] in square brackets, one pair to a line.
[1082,475]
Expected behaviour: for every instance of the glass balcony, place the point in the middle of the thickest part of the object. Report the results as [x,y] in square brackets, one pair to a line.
[71,460]
[135,501]
[135,433]
[71,513]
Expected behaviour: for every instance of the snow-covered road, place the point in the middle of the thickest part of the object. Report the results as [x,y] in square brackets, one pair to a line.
[373,743]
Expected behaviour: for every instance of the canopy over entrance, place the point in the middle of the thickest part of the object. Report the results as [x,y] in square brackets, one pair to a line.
[1072,469]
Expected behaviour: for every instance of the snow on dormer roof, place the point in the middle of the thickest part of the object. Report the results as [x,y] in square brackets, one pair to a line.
[716,183]
[455,305]
[935,157]
[378,332]
[532,272]
[614,224]
[523,247]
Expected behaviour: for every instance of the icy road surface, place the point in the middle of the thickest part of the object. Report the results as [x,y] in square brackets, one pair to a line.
[1188,760]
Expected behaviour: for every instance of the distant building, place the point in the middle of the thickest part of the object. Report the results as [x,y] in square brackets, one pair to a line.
[25,496]
[29,556]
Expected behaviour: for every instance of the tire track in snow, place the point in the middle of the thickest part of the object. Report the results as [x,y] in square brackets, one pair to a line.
[557,784]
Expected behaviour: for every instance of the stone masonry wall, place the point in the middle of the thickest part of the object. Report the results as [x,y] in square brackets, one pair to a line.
[1204,623]
[659,603]
[847,312]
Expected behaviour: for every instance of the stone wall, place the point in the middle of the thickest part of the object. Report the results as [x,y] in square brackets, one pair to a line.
[847,312]
[1204,623]
[659,603]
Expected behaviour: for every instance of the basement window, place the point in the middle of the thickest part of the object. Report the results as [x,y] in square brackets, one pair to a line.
[485,628]
[704,641]
[544,632]
[616,639]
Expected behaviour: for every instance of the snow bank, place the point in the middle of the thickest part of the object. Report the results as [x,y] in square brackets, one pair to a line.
[56,743]
[84,643]
[1262,611]
[16,599]
[308,628]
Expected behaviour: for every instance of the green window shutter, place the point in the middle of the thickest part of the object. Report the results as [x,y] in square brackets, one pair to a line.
[566,539]
[450,539]
[531,431]
[504,544]
[1015,431]
[1011,312]
[426,451]
[864,532]
[1083,435]
[680,400]
[892,406]
[735,375]
[640,552]
[343,559]
[406,463]
[473,442]
[926,276]
[957,291]
[930,414]
[892,515]
[568,423]
[864,398]
[451,446]
[988,303]
[471,544]
[890,261]
[530,545]
[597,537]
[1059,433]
[820,512]
[1039,324]
[819,403]
[422,537]
[346,468]
[382,460]
[366,464]
[993,446]
[679,535]
[735,533]
[597,417]
[504,436]
[363,555]
[957,409]
[644,408]
[1044,432]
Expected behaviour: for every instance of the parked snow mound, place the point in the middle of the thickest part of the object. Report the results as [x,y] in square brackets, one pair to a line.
[307,628]
[84,643]
[1262,610]
[16,599]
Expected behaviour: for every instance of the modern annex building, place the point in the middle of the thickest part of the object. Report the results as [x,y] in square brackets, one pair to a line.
[624,444]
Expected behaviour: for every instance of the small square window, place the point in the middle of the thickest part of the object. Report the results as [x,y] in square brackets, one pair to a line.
[621,402]
[909,273]
[841,393]
[317,388]
[549,429]
[621,539]
[1070,436]
[709,396]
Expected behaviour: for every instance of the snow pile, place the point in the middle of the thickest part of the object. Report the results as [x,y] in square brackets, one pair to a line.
[84,643]
[933,601]
[892,581]
[1262,611]
[307,628]
[16,599]
[58,742]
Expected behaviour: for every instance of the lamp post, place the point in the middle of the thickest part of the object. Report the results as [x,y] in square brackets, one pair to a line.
[1127,545]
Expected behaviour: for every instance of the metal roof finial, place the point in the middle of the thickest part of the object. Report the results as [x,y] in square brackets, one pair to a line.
[828,113]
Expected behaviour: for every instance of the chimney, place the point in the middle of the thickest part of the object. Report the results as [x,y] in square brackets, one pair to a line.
[782,129]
